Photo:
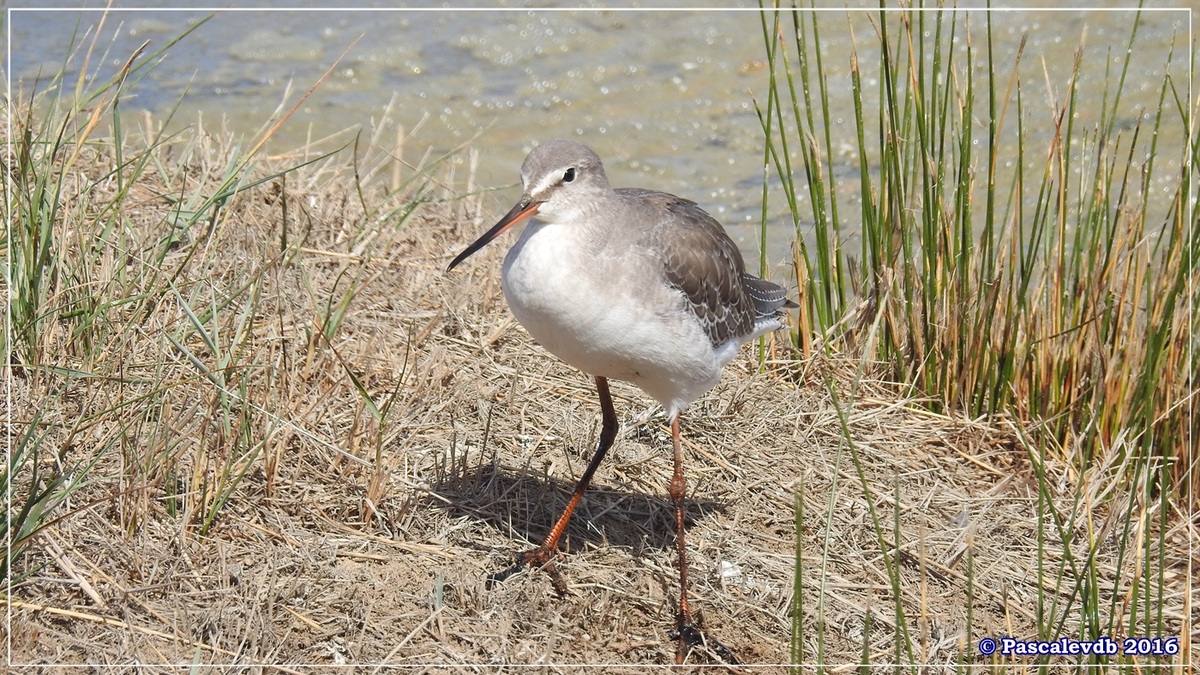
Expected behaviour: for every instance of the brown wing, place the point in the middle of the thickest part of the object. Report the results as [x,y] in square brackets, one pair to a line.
[699,259]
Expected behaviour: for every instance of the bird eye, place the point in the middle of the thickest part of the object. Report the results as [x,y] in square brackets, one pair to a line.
[569,175]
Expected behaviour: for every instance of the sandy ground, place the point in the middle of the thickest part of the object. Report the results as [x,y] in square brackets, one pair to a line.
[350,541]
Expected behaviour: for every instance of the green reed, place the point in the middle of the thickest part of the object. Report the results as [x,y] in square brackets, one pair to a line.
[1042,283]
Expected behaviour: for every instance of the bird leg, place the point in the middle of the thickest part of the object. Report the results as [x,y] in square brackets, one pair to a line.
[543,556]
[686,631]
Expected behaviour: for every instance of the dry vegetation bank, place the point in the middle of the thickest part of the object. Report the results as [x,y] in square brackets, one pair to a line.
[312,446]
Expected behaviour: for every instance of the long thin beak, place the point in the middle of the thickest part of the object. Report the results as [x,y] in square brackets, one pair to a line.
[524,208]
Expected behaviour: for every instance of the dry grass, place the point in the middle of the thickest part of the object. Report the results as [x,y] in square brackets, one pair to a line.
[354,538]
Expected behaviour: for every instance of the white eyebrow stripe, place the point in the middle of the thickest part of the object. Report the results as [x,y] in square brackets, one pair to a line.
[548,181]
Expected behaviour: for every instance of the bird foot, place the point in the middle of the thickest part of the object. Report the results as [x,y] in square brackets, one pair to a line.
[689,635]
[542,558]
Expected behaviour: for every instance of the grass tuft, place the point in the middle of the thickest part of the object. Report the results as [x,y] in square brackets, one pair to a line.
[1051,300]
[123,304]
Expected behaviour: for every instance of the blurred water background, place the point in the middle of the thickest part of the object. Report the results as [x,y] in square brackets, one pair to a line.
[666,97]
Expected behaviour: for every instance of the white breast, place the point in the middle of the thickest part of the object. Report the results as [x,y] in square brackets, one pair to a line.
[567,295]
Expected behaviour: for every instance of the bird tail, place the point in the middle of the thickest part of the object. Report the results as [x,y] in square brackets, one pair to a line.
[768,298]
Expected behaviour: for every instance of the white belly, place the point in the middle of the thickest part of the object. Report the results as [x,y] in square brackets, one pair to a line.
[611,317]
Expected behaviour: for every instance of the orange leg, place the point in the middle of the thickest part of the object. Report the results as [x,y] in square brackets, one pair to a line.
[543,556]
[686,632]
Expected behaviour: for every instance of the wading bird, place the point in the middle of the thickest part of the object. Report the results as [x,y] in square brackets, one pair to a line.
[634,285]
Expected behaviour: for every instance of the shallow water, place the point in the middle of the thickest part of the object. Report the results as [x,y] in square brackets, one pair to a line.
[665,97]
